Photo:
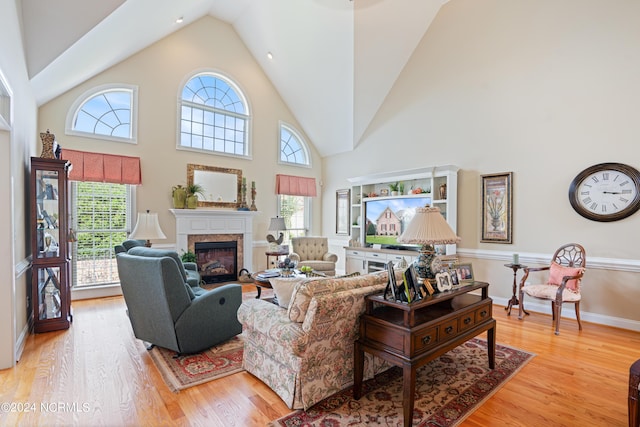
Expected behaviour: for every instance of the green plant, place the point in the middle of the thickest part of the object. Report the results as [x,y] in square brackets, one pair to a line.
[401,187]
[188,256]
[193,189]
[394,186]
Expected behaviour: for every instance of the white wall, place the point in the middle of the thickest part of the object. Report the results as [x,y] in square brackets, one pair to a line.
[540,88]
[18,144]
[159,71]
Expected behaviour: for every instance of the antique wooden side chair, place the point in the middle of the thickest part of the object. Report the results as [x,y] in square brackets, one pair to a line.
[563,283]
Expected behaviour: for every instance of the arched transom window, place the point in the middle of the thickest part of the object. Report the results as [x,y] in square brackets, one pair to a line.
[105,112]
[293,150]
[214,116]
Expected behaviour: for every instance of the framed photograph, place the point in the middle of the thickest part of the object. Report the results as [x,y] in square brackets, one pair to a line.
[464,273]
[443,281]
[342,211]
[497,208]
[455,280]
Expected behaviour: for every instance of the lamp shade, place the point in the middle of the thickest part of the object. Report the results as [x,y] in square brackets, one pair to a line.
[147,228]
[277,224]
[428,227]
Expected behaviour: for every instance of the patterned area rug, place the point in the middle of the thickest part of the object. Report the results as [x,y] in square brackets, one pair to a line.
[193,369]
[217,362]
[448,390]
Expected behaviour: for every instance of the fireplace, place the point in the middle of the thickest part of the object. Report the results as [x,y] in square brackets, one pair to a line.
[217,261]
[216,225]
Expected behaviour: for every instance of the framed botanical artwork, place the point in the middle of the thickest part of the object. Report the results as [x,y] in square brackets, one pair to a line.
[497,208]
[342,211]
[464,273]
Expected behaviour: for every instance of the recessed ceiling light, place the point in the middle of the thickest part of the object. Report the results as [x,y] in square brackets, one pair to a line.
[269,55]
[179,20]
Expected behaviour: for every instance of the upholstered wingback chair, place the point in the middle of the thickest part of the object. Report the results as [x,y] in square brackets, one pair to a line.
[163,311]
[562,285]
[314,252]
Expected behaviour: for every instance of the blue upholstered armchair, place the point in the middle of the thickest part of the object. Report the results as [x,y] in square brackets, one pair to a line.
[163,311]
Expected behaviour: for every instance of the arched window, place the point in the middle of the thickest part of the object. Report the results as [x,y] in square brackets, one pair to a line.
[214,116]
[293,150]
[105,112]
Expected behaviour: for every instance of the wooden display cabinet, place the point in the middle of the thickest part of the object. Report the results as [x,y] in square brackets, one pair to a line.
[50,289]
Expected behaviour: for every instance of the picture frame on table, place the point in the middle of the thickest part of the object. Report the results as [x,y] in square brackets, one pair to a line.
[497,208]
[464,273]
[342,211]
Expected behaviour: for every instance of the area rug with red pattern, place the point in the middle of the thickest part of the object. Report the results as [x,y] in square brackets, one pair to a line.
[448,389]
[193,369]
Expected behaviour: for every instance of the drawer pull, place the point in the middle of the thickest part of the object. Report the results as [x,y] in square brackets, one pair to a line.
[483,313]
[467,321]
[448,329]
[426,340]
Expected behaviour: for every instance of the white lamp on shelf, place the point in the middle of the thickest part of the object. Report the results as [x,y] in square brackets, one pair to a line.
[427,228]
[147,228]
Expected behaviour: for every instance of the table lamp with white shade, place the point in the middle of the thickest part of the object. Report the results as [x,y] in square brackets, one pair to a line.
[147,228]
[276,224]
[427,228]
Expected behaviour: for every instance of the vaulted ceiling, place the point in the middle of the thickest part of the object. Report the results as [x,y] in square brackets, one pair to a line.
[334,61]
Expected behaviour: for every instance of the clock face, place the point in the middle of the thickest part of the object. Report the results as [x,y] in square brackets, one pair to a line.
[606,192]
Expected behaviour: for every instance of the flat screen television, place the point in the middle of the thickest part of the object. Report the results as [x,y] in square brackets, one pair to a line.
[387,217]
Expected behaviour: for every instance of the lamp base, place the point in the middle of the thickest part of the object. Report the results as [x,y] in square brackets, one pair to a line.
[422,264]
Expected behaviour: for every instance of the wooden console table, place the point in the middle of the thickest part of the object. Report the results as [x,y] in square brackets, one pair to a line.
[411,335]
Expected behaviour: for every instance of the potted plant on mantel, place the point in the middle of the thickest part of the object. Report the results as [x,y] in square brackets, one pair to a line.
[192,195]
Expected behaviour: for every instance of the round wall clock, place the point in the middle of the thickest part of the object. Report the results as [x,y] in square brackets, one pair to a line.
[606,192]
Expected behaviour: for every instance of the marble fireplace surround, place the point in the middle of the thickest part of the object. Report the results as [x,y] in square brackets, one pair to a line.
[216,225]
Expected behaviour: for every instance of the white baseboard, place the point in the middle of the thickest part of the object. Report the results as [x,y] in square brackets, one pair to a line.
[569,312]
[90,292]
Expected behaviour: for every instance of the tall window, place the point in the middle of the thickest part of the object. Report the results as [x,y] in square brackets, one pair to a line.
[106,112]
[5,104]
[101,215]
[293,150]
[296,211]
[214,116]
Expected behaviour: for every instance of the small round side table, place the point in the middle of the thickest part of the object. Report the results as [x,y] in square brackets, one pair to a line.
[514,298]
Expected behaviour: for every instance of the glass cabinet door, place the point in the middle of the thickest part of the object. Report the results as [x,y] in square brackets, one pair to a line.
[50,300]
[47,214]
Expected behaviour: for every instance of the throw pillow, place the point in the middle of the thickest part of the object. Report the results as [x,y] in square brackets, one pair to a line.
[557,272]
[283,288]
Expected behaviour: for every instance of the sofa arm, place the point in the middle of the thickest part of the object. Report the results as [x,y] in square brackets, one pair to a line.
[330,257]
[190,266]
[272,323]
[294,257]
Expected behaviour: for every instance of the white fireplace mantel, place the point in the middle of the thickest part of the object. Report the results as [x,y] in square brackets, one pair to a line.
[215,221]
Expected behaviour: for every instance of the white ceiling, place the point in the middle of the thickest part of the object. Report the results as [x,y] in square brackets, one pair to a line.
[334,61]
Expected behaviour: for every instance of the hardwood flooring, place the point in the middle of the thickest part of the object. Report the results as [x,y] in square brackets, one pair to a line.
[98,374]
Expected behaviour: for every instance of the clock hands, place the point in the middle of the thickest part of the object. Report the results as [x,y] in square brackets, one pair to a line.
[612,192]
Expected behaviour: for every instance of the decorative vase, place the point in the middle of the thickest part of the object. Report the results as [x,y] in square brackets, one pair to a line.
[179,195]
[192,201]
[47,145]
[443,191]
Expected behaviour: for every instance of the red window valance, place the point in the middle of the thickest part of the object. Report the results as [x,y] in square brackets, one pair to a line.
[97,167]
[295,185]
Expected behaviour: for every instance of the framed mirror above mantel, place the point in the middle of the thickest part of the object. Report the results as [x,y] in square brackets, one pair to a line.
[221,187]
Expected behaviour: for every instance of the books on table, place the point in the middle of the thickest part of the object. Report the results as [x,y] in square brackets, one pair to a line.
[273,272]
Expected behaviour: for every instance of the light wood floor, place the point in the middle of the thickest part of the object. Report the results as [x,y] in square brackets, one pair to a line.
[96,373]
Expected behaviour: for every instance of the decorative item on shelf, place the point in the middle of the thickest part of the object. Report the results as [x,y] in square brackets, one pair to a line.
[243,196]
[276,224]
[253,197]
[147,228]
[427,228]
[192,195]
[443,191]
[516,259]
[401,187]
[48,142]
[179,195]
[394,188]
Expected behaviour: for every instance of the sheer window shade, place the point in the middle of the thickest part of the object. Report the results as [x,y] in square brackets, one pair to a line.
[295,185]
[97,167]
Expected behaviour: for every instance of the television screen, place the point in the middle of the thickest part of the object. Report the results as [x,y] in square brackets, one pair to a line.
[387,217]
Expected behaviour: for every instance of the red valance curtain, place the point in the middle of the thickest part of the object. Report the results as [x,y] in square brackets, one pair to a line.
[295,185]
[97,167]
